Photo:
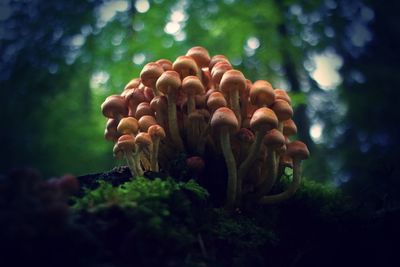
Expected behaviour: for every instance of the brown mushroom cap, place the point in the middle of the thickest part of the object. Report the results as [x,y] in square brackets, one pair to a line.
[132,84]
[262,93]
[150,73]
[159,102]
[126,142]
[114,106]
[156,131]
[224,118]
[143,109]
[169,82]
[117,152]
[274,139]
[216,100]
[219,70]
[200,55]
[192,85]
[128,125]
[185,66]
[282,110]
[145,122]
[215,59]
[232,80]
[297,150]
[111,133]
[289,127]
[263,119]
[143,139]
[281,94]
[165,64]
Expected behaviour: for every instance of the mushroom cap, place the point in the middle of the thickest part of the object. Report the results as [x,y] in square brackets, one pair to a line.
[219,70]
[159,102]
[117,152]
[150,73]
[206,78]
[145,122]
[143,139]
[274,139]
[192,85]
[262,93]
[165,64]
[169,82]
[114,106]
[217,58]
[289,127]
[126,142]
[200,55]
[216,100]
[282,110]
[134,83]
[224,118]
[297,150]
[148,93]
[143,109]
[111,133]
[135,96]
[232,80]
[185,65]
[282,94]
[263,119]
[156,131]
[128,125]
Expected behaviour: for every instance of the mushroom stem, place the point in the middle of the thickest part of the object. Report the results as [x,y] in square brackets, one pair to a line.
[234,104]
[154,155]
[191,104]
[136,157]
[292,188]
[131,164]
[251,157]
[268,174]
[172,122]
[231,166]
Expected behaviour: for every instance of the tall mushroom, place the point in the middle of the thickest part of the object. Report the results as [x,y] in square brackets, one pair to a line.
[126,144]
[263,120]
[298,151]
[169,84]
[225,122]
[192,86]
[156,133]
[149,75]
[232,84]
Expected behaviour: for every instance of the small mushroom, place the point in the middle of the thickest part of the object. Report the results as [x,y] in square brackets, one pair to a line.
[169,84]
[298,151]
[126,144]
[233,83]
[128,125]
[283,111]
[225,122]
[156,133]
[143,109]
[114,107]
[262,94]
[143,142]
[186,66]
[200,55]
[145,122]
[149,75]
[192,86]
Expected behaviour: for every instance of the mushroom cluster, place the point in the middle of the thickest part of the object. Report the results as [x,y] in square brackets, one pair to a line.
[198,104]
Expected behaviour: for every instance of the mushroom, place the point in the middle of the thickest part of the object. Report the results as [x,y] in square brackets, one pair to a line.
[111,133]
[218,71]
[281,94]
[165,64]
[298,151]
[200,55]
[215,59]
[289,127]
[126,144]
[283,111]
[145,122]
[159,105]
[186,66]
[143,141]
[225,122]
[143,109]
[274,141]
[232,84]
[192,86]
[114,107]
[263,120]
[169,84]
[216,100]
[149,75]
[262,94]
[156,133]
[128,125]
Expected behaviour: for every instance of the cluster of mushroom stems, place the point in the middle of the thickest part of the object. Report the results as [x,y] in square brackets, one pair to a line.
[199,104]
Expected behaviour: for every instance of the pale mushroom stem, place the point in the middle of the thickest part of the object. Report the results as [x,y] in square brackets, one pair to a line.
[251,157]
[172,122]
[136,157]
[130,163]
[292,188]
[268,173]
[154,155]
[234,104]
[231,166]
[191,104]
